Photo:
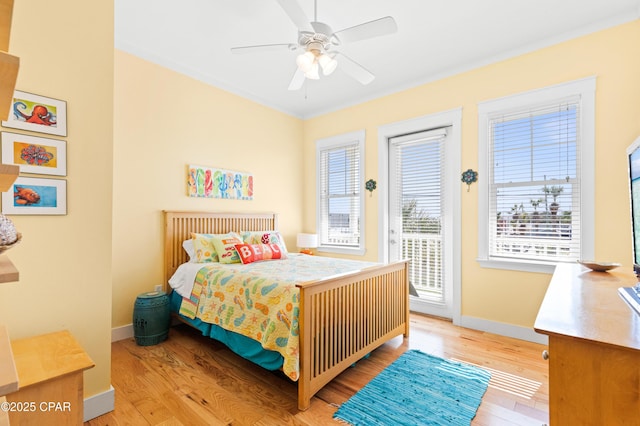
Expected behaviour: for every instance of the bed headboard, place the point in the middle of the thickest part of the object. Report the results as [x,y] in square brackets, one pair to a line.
[179,225]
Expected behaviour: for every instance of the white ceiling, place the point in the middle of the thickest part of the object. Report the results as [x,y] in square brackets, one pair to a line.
[435,38]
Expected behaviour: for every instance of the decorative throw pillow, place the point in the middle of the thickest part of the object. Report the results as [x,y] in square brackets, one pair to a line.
[254,252]
[264,237]
[203,248]
[225,247]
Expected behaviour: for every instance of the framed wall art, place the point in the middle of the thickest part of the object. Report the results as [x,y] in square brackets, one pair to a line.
[36,196]
[207,182]
[35,154]
[38,114]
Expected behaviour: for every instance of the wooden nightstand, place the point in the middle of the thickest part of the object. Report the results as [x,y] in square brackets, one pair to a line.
[50,380]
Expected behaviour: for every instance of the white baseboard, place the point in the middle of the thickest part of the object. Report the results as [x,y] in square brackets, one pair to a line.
[509,330]
[121,333]
[126,331]
[99,404]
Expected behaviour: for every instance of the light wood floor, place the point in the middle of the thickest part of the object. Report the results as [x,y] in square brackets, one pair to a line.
[191,380]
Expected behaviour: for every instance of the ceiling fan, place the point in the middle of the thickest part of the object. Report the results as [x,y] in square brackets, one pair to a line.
[317,40]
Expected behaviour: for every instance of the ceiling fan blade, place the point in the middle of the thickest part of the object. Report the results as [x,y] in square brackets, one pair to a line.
[354,69]
[296,14]
[263,48]
[376,28]
[297,81]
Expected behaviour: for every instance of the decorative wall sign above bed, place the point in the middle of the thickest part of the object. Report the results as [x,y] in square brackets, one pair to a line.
[38,114]
[207,182]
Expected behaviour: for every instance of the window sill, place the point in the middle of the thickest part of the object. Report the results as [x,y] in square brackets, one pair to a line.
[342,250]
[518,265]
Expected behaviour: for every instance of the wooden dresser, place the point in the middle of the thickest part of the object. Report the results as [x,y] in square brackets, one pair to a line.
[594,348]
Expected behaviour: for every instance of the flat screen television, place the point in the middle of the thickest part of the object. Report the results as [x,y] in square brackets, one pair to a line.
[632,294]
[633,156]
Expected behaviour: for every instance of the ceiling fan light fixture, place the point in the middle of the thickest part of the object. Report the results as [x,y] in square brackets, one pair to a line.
[327,63]
[317,39]
[313,73]
[305,61]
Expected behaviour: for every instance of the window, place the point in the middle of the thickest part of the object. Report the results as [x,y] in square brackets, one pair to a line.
[536,201]
[340,204]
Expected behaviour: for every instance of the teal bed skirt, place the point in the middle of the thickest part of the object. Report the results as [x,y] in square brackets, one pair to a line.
[241,345]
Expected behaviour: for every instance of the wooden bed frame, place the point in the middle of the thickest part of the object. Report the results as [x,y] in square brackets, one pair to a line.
[342,318]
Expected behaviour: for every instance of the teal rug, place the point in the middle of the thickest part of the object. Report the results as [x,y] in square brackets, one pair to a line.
[418,389]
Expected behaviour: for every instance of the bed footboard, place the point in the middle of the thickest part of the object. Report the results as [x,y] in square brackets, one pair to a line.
[344,318]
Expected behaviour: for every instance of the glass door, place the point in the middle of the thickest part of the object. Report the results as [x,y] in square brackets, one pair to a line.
[417,217]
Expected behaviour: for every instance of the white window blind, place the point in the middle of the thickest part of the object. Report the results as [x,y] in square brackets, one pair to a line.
[340,182]
[534,182]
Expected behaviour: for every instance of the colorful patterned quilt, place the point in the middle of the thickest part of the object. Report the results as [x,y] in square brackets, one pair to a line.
[260,300]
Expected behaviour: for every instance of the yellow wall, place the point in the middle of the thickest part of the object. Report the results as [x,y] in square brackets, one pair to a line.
[66,52]
[612,55]
[165,121]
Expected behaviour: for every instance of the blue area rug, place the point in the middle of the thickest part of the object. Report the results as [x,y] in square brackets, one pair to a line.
[418,389]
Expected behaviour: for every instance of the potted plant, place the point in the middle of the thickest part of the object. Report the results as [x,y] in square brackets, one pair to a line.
[555,191]
[535,216]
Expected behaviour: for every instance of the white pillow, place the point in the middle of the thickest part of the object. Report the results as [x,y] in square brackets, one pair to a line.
[187,245]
